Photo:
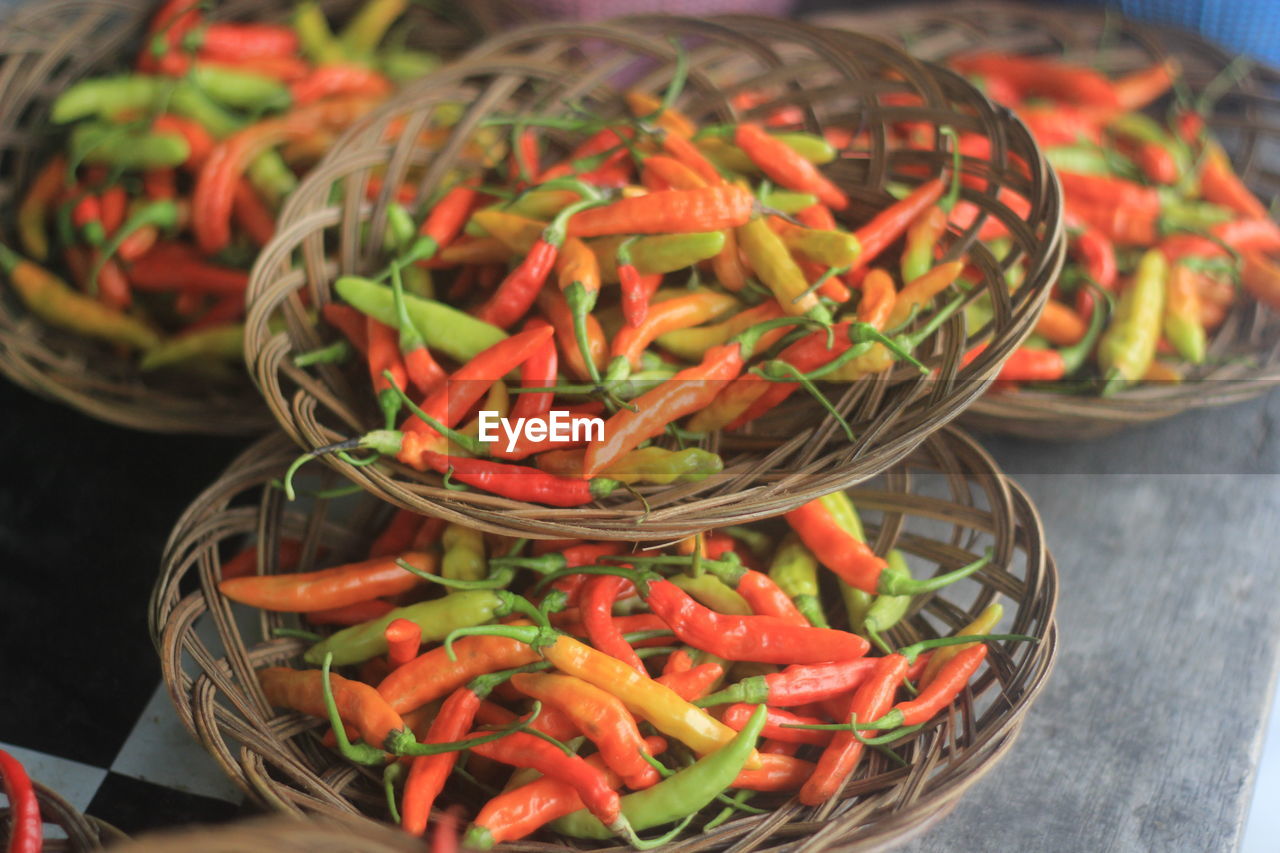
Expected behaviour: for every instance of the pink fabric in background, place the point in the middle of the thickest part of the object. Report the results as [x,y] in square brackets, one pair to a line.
[593,10]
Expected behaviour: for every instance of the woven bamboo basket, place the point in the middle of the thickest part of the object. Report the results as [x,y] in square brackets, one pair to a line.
[835,78]
[1244,352]
[946,503]
[81,833]
[45,47]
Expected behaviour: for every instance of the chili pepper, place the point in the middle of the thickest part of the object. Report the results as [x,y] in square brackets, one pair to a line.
[768,256]
[690,155]
[1121,225]
[454,333]
[695,683]
[384,356]
[870,701]
[428,773]
[776,721]
[174,266]
[1219,182]
[369,25]
[892,222]
[314,36]
[243,90]
[404,638]
[761,593]
[1051,78]
[327,588]
[669,315]
[601,716]
[525,750]
[636,289]
[106,96]
[678,661]
[252,215]
[1139,88]
[113,146]
[708,209]
[887,610]
[159,184]
[779,773]
[351,614]
[785,166]
[1129,344]
[516,295]
[688,391]
[464,553]
[517,482]
[649,107]
[113,287]
[34,210]
[436,618]
[942,690]
[655,702]
[764,639]
[359,705]
[819,526]
[796,685]
[794,570]
[1060,325]
[328,81]
[826,246]
[596,603]
[683,793]
[1182,326]
[1261,278]
[1109,190]
[985,622]
[922,237]
[246,562]
[691,344]
[1092,249]
[518,812]
[646,465]
[49,298]
[240,41]
[86,216]
[26,828]
[661,172]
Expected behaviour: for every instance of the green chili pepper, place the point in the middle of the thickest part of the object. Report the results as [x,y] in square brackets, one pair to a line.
[795,570]
[437,618]
[679,795]
[403,65]
[189,101]
[661,466]
[224,343]
[114,145]
[271,176]
[815,149]
[785,201]
[1146,129]
[242,90]
[712,592]
[464,557]
[1127,349]
[367,28]
[317,40]
[107,96]
[666,253]
[887,610]
[1081,159]
[447,330]
[1179,214]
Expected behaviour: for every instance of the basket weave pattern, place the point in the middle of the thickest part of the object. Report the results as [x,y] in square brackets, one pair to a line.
[45,47]
[837,79]
[83,834]
[1244,352]
[942,507]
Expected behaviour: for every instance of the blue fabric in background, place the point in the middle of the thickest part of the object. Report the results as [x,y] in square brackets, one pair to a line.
[1241,26]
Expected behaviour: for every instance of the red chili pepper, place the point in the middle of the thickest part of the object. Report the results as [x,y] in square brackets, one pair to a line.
[736,716]
[113,286]
[1042,76]
[1095,252]
[245,41]
[1063,124]
[199,141]
[330,81]
[1139,88]
[86,215]
[892,222]
[350,322]
[840,758]
[518,482]
[384,355]
[285,69]
[1261,277]
[678,661]
[686,153]
[674,211]
[796,685]
[695,683]
[246,562]
[603,140]
[26,830]
[835,547]
[667,173]
[160,184]
[432,674]
[404,638]
[114,202]
[636,289]
[1122,225]
[397,536]
[596,603]
[351,614]
[168,28]
[1108,190]
[784,165]
[252,214]
[763,639]
[939,692]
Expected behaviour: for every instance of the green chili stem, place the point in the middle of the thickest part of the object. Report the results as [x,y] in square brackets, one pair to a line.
[466,442]
[359,753]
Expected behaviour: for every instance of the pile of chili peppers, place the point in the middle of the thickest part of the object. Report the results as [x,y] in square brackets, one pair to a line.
[1162,231]
[172,173]
[736,285]
[601,689]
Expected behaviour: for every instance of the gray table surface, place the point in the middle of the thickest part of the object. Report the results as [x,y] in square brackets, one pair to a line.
[1148,734]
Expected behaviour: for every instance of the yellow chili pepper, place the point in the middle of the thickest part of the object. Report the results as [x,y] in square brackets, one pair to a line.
[985,623]
[771,261]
